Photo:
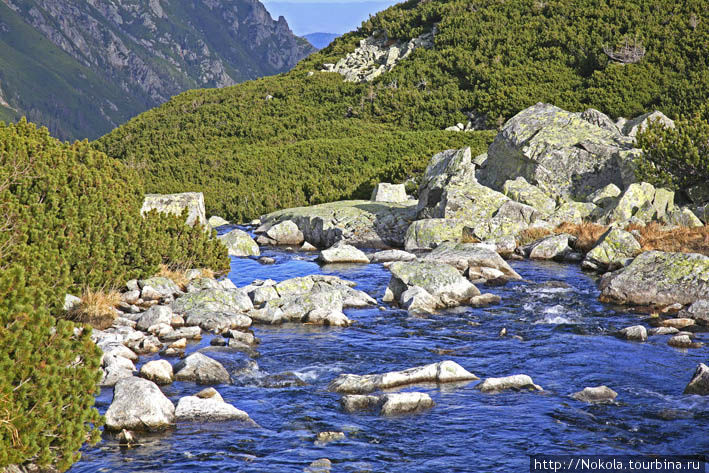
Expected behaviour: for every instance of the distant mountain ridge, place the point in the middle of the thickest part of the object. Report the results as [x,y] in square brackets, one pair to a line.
[83,67]
[321,40]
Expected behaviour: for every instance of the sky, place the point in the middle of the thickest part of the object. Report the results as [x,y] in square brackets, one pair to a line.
[323,16]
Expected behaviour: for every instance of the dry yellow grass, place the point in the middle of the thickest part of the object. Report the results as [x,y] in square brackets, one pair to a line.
[586,233]
[176,274]
[97,308]
[531,235]
[682,239]
[207,273]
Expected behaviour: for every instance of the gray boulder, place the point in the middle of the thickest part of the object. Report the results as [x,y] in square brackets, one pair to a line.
[443,372]
[214,300]
[418,300]
[215,221]
[283,233]
[385,192]
[175,204]
[387,256]
[606,196]
[342,253]
[698,311]
[636,333]
[239,243]
[360,223]
[164,287]
[551,247]
[522,191]
[201,369]
[441,281]
[71,302]
[430,232]
[388,404]
[157,371]
[216,322]
[596,394]
[138,404]
[516,382]
[157,314]
[599,119]
[659,279]
[208,406]
[632,127]
[560,152]
[613,248]
[700,381]
[464,256]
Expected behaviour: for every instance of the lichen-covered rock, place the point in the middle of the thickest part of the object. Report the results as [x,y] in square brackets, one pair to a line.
[634,197]
[442,281]
[605,196]
[443,372]
[612,248]
[551,247]
[157,371]
[560,152]
[201,369]
[516,382]
[599,119]
[215,321]
[165,287]
[214,300]
[388,404]
[632,127]
[175,204]
[216,221]
[522,191]
[360,223]
[596,394]
[464,256]
[659,278]
[239,243]
[418,300]
[157,314]
[200,284]
[509,220]
[431,232]
[572,212]
[138,404]
[700,381]
[385,192]
[342,253]
[683,217]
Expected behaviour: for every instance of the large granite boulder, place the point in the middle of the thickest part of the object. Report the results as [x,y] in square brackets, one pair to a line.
[361,223]
[443,372]
[385,192]
[560,152]
[440,280]
[214,300]
[698,311]
[239,243]
[551,247]
[283,233]
[138,404]
[201,369]
[522,191]
[641,200]
[599,119]
[430,232]
[208,406]
[175,204]
[342,253]
[612,249]
[157,371]
[659,279]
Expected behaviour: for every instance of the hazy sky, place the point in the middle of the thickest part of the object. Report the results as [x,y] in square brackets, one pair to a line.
[323,16]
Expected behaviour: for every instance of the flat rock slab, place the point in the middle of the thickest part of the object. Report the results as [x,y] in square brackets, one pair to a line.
[388,404]
[138,404]
[443,372]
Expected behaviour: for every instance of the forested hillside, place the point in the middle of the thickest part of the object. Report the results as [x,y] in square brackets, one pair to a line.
[249,147]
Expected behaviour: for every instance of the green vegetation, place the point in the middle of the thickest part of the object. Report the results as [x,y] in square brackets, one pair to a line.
[320,138]
[677,158]
[69,220]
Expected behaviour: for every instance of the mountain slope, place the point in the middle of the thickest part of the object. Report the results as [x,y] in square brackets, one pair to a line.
[490,59]
[84,67]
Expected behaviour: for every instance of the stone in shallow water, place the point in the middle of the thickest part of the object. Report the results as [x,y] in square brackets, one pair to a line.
[595,394]
[157,371]
[388,404]
[391,255]
[678,323]
[138,404]
[239,243]
[341,253]
[443,372]
[200,408]
[327,437]
[516,382]
[637,333]
[201,369]
[700,381]
[683,341]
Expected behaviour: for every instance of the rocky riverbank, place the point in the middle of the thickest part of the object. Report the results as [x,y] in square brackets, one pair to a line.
[546,167]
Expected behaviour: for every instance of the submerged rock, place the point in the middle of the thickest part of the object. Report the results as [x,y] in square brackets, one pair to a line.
[201,369]
[324,438]
[660,279]
[443,372]
[138,404]
[388,404]
[517,382]
[595,394]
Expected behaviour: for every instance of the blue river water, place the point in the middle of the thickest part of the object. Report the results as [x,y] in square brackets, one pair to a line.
[567,344]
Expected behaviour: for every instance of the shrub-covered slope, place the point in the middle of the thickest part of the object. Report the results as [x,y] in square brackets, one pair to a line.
[492,57]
